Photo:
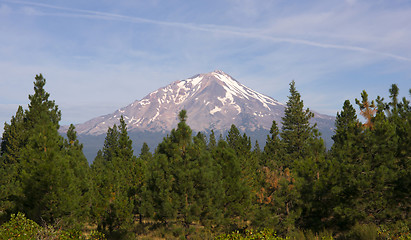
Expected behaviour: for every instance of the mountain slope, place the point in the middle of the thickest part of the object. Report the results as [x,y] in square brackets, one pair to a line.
[213,100]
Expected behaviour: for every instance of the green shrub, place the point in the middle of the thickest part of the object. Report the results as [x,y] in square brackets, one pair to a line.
[96,235]
[364,232]
[398,231]
[309,235]
[19,228]
[268,234]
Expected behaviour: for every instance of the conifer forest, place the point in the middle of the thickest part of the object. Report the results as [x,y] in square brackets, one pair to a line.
[197,186]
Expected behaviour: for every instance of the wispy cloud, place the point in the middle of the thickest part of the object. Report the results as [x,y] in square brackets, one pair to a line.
[220,29]
[114,54]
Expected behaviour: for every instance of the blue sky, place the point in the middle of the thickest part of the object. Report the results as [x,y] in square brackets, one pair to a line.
[98,56]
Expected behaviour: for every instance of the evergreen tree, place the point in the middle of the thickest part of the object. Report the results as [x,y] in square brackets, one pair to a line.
[79,170]
[257,153]
[304,155]
[235,201]
[101,180]
[117,181]
[296,129]
[45,182]
[41,109]
[145,153]
[158,195]
[345,174]
[272,150]
[346,124]
[242,147]
[278,200]
[212,143]
[399,115]
[366,169]
[181,178]
[14,138]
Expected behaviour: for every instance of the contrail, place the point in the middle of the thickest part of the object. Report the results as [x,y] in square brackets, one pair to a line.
[246,33]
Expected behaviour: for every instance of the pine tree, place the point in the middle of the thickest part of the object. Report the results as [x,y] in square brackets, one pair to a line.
[234,202]
[304,155]
[158,196]
[79,171]
[366,168]
[100,189]
[273,148]
[399,114]
[44,179]
[257,153]
[181,178]
[278,200]
[14,138]
[212,143]
[145,153]
[296,129]
[105,183]
[117,181]
[345,174]
[242,147]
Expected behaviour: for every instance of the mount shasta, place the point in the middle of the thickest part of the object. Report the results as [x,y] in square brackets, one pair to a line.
[214,101]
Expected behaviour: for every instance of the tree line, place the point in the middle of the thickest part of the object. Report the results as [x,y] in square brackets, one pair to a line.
[214,184]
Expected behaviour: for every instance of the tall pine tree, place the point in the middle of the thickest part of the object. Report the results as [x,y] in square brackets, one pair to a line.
[47,186]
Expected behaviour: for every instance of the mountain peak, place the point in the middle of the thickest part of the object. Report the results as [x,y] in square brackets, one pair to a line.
[218,72]
[213,100]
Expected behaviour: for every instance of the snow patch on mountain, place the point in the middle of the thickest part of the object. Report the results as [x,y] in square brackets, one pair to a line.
[216,109]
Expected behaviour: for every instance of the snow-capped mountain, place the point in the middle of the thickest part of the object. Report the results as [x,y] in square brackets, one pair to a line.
[213,100]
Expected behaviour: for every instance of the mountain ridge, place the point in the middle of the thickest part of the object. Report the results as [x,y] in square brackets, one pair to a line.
[213,100]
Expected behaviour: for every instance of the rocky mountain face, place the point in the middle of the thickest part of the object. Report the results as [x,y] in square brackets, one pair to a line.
[213,100]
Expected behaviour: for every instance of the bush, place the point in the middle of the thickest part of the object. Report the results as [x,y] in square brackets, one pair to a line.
[309,235]
[19,228]
[251,235]
[398,231]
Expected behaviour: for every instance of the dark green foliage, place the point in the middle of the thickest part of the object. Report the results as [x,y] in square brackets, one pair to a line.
[278,200]
[190,187]
[181,180]
[273,148]
[303,153]
[345,174]
[14,138]
[212,143]
[46,176]
[296,130]
[145,153]
[241,146]
[157,193]
[117,180]
[369,164]
[236,198]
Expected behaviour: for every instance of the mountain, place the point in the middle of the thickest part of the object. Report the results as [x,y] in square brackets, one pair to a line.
[213,100]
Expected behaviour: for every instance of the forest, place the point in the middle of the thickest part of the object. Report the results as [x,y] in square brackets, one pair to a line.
[193,186]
